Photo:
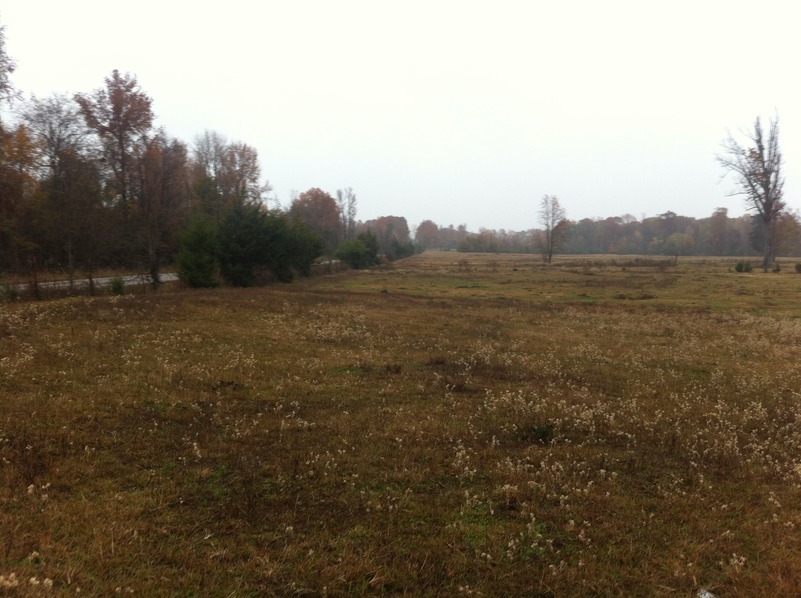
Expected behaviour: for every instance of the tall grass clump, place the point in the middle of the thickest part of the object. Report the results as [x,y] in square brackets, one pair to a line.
[116,286]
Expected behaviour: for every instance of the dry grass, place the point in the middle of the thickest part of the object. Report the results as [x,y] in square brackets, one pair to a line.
[454,425]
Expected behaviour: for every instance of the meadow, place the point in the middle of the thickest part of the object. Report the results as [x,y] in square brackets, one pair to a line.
[448,425]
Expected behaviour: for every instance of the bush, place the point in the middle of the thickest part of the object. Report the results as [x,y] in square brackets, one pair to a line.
[539,433]
[798,268]
[116,286]
[361,252]
[743,267]
[9,292]
[356,254]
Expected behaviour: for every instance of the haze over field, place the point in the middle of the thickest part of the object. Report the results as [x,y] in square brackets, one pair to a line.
[459,112]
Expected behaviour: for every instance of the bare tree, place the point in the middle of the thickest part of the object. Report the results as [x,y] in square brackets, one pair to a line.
[554,226]
[346,200]
[207,153]
[7,65]
[68,177]
[56,125]
[758,170]
[226,174]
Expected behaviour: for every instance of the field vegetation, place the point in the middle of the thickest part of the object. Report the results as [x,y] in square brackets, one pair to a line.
[449,425]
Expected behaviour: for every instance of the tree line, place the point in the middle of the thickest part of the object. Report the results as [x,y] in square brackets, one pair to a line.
[771,229]
[89,181]
[666,234]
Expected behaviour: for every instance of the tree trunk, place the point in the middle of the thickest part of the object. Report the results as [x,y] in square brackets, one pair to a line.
[71,263]
[770,244]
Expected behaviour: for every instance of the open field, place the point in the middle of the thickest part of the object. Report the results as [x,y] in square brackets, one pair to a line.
[452,425]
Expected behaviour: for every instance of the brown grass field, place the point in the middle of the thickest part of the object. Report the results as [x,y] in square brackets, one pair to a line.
[450,425]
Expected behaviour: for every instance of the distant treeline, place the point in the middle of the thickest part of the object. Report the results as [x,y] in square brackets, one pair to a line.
[666,234]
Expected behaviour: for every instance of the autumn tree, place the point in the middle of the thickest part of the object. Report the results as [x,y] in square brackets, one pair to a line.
[17,185]
[121,116]
[225,174]
[450,237]
[162,192]
[788,233]
[757,168]
[554,226]
[717,232]
[16,170]
[427,235]
[393,237]
[320,213]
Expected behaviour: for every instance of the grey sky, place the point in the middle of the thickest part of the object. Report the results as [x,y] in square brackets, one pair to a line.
[458,111]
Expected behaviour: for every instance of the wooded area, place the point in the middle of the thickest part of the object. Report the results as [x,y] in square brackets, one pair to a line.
[666,234]
[89,182]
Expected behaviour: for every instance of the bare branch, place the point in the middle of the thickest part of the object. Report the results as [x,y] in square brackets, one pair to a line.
[757,168]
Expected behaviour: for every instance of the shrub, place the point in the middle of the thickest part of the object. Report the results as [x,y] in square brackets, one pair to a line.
[353,252]
[539,433]
[361,252]
[116,286]
[798,268]
[8,292]
[743,267]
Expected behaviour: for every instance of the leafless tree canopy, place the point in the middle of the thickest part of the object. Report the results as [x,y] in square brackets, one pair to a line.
[346,200]
[757,168]
[554,226]
[7,66]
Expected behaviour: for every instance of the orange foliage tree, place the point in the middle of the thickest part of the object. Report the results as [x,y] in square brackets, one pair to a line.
[321,214]
[427,235]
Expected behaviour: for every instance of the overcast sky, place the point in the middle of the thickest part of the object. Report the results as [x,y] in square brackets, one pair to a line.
[459,111]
